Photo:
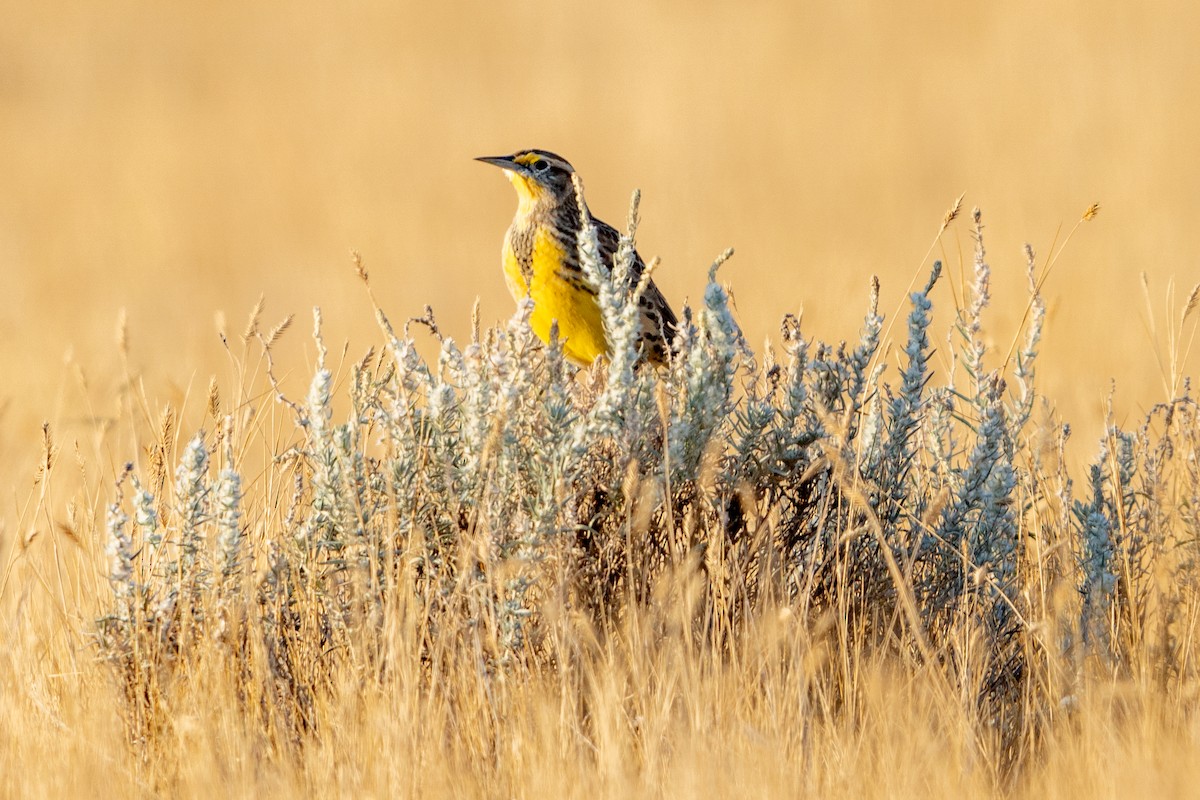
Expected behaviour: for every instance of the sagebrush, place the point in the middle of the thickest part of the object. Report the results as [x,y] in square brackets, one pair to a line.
[499,519]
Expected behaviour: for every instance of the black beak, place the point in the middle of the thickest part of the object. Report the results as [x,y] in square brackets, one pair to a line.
[504,162]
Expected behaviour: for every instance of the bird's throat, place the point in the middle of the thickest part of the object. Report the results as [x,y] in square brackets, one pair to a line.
[529,194]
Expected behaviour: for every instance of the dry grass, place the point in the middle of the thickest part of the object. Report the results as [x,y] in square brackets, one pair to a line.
[163,164]
[495,577]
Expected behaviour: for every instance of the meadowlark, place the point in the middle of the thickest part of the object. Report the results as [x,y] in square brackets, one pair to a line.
[541,261]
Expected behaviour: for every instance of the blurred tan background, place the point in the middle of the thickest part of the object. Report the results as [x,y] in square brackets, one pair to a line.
[177,160]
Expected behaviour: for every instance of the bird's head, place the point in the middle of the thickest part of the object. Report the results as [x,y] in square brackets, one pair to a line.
[537,175]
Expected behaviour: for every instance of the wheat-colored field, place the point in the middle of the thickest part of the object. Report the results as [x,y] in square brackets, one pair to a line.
[162,167]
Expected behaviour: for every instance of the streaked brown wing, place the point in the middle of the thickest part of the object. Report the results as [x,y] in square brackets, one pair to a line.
[658,320]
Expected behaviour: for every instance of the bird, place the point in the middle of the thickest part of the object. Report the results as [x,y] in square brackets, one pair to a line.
[541,261]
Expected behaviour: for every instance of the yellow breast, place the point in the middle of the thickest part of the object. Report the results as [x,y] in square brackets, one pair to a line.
[580,325]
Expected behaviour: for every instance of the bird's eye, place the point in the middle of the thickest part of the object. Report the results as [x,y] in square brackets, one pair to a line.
[541,165]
